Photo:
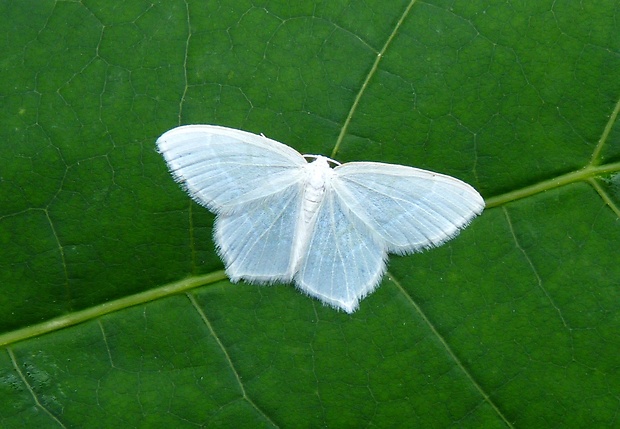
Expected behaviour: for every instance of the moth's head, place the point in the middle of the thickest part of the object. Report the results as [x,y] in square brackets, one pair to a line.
[322,159]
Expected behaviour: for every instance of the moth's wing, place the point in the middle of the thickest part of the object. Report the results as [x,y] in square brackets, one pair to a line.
[223,167]
[408,208]
[256,241]
[344,261]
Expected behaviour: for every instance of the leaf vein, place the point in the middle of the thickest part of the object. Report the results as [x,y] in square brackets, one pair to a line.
[244,393]
[447,347]
[30,389]
[369,76]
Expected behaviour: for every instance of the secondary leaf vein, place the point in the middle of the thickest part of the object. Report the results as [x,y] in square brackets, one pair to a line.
[30,389]
[371,73]
[447,347]
[204,318]
[533,268]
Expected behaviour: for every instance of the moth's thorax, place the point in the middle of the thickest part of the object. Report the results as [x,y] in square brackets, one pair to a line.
[318,175]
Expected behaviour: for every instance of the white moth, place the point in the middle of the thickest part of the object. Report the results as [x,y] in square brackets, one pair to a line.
[283,219]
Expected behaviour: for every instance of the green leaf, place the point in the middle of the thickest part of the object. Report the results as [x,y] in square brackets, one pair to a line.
[114,309]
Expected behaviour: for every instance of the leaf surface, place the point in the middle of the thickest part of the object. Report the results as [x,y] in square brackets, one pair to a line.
[115,311]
